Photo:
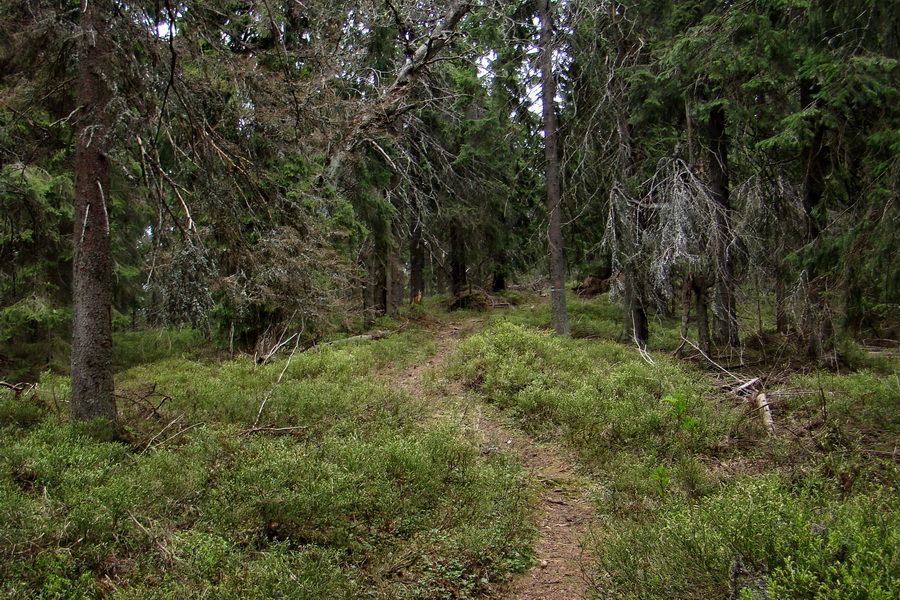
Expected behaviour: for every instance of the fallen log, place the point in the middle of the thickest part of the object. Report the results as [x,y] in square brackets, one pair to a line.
[762,402]
[365,337]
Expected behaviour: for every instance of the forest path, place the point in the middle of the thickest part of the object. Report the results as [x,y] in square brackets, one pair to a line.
[564,512]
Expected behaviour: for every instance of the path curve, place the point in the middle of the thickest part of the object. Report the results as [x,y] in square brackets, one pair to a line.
[562,569]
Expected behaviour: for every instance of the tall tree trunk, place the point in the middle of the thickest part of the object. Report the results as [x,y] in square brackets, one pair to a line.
[458,278]
[701,296]
[92,379]
[724,309]
[817,325]
[382,281]
[686,286]
[498,280]
[634,315]
[416,257]
[398,283]
[368,262]
[636,327]
[781,316]
[395,274]
[554,191]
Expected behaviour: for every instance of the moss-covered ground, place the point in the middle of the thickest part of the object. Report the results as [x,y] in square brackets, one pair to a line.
[313,476]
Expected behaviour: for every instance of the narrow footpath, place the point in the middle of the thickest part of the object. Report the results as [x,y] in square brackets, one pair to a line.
[562,567]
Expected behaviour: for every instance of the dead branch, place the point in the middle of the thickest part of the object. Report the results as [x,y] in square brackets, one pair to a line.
[390,101]
[149,443]
[143,400]
[272,429]
[372,335]
[277,347]
[170,556]
[176,434]
[18,388]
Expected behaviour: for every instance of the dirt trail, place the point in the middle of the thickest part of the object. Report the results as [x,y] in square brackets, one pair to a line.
[562,570]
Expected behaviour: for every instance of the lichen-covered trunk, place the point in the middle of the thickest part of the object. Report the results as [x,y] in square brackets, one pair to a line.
[554,191]
[636,327]
[92,378]
[416,258]
[701,302]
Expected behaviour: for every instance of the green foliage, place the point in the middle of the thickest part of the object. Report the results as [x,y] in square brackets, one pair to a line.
[347,491]
[32,314]
[759,537]
[598,396]
[134,348]
[865,401]
[693,500]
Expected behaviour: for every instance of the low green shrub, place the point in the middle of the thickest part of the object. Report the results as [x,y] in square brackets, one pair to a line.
[695,499]
[865,400]
[757,538]
[326,485]
[133,348]
[599,396]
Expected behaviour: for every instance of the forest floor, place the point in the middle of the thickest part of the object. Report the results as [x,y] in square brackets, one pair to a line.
[466,455]
[564,513]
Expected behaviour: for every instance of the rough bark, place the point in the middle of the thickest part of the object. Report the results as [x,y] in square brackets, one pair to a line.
[554,191]
[636,327]
[701,296]
[92,395]
[686,287]
[458,277]
[416,258]
[817,326]
[725,331]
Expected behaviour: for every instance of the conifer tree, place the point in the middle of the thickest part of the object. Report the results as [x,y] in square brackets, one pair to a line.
[92,378]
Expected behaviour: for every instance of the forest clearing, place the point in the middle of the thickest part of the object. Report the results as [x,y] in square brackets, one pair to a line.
[444,299]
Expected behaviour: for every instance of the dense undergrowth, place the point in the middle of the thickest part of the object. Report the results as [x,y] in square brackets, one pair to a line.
[327,484]
[695,499]
[311,477]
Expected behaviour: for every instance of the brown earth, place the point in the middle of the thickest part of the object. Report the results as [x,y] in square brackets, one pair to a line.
[564,513]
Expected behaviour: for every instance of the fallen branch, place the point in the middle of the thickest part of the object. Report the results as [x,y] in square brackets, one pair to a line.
[159,433]
[372,335]
[280,376]
[175,435]
[762,402]
[744,386]
[272,429]
[277,347]
[18,388]
[712,362]
[143,400]
[166,552]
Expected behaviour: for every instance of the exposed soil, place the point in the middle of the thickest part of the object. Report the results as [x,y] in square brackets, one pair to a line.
[563,516]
